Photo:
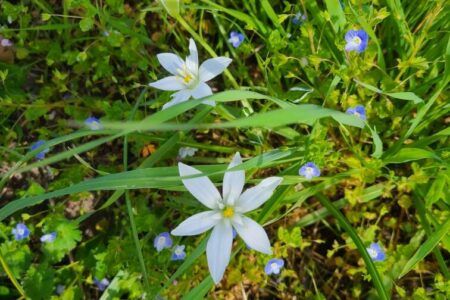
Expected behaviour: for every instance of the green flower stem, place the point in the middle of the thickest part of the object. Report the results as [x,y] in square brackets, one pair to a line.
[137,243]
[11,276]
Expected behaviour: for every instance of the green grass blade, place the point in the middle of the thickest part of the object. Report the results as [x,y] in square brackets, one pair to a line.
[432,241]
[371,268]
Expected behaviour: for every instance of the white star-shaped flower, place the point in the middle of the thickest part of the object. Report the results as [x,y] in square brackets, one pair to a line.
[187,77]
[226,212]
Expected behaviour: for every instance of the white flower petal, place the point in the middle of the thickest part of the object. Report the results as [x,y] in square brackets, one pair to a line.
[200,187]
[169,83]
[257,195]
[218,249]
[178,97]
[170,62]
[253,235]
[201,90]
[233,182]
[192,59]
[212,67]
[198,223]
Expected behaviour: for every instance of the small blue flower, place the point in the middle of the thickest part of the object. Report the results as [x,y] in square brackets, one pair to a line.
[309,170]
[356,40]
[60,289]
[93,123]
[274,266]
[178,253]
[20,232]
[40,155]
[162,241]
[358,110]
[49,237]
[236,38]
[376,252]
[299,19]
[101,284]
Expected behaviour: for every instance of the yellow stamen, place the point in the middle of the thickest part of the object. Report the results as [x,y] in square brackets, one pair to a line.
[228,212]
[187,78]
[357,40]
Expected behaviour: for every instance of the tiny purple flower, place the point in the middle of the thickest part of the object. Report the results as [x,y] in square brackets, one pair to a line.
[356,40]
[236,38]
[6,43]
[376,252]
[178,253]
[40,155]
[358,110]
[162,241]
[49,237]
[274,266]
[93,123]
[101,284]
[20,232]
[60,289]
[309,170]
[299,19]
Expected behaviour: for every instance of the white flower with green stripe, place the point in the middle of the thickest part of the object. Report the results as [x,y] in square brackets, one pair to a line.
[226,212]
[188,79]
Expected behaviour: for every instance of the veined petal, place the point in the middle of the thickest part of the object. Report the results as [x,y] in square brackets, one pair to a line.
[233,182]
[170,62]
[253,235]
[212,67]
[218,249]
[198,223]
[192,59]
[178,97]
[200,187]
[257,195]
[169,83]
[201,90]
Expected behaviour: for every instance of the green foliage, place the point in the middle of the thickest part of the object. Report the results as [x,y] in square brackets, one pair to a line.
[38,282]
[67,234]
[281,103]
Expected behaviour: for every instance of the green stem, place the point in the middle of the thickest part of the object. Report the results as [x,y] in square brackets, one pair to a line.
[378,283]
[11,277]
[134,232]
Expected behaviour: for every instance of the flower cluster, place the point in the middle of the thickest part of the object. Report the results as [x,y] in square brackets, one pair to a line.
[21,232]
[164,241]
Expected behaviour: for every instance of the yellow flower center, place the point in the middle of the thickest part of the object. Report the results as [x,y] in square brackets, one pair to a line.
[357,40]
[187,78]
[228,212]
[185,75]
[309,170]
